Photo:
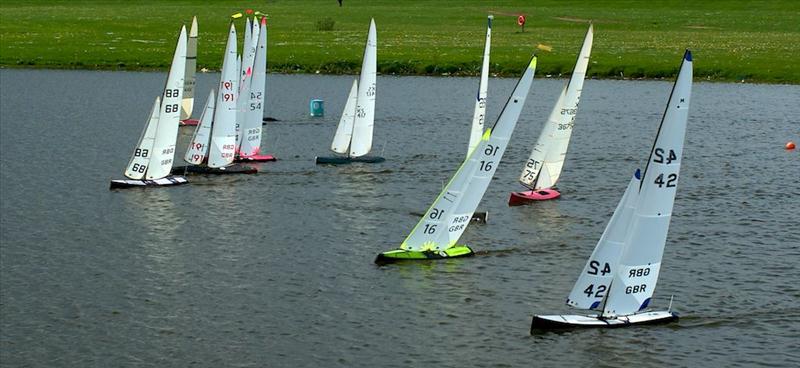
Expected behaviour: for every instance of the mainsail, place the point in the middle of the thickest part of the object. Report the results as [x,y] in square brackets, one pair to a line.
[364,121]
[169,115]
[479,116]
[637,273]
[543,168]
[189,79]
[223,134]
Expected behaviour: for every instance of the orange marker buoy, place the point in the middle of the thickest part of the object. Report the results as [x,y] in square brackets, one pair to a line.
[790,145]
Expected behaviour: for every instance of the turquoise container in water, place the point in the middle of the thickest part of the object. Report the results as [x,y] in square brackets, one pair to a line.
[317,107]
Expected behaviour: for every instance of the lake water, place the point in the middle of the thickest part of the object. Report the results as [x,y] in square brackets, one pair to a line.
[276,269]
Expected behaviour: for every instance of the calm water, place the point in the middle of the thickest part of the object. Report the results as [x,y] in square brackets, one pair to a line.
[276,270]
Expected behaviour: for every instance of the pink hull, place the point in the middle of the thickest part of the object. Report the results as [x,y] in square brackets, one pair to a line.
[257,158]
[190,122]
[520,198]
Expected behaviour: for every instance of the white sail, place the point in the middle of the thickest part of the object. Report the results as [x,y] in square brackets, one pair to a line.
[223,134]
[187,105]
[140,159]
[635,277]
[364,122]
[479,115]
[245,79]
[593,282]
[543,168]
[344,131]
[169,115]
[198,146]
[251,141]
[448,217]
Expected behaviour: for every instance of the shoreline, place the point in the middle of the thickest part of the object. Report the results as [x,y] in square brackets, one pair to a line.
[458,74]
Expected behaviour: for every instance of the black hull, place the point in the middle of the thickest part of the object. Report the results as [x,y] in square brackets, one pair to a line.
[171,180]
[205,170]
[335,160]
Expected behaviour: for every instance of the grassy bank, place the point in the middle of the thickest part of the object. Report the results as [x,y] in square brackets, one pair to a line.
[755,41]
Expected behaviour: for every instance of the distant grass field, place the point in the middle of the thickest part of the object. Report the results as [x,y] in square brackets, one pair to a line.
[754,41]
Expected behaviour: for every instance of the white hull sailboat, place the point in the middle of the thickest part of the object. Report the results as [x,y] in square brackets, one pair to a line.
[151,162]
[620,277]
[543,168]
[436,235]
[353,138]
[187,105]
[213,145]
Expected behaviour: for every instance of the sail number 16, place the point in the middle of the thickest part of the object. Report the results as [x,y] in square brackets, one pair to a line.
[489,151]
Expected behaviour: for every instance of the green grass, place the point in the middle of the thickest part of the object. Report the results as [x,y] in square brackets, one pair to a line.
[755,41]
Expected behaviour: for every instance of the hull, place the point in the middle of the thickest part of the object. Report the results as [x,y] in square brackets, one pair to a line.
[131,183]
[342,160]
[189,122]
[520,198]
[398,255]
[560,322]
[256,158]
[232,169]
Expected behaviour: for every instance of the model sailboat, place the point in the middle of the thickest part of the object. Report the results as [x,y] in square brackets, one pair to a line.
[187,105]
[543,168]
[151,161]
[354,134]
[213,145]
[437,233]
[620,277]
[251,131]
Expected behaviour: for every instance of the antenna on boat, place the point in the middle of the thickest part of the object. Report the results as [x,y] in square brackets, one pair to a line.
[669,308]
[383,147]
